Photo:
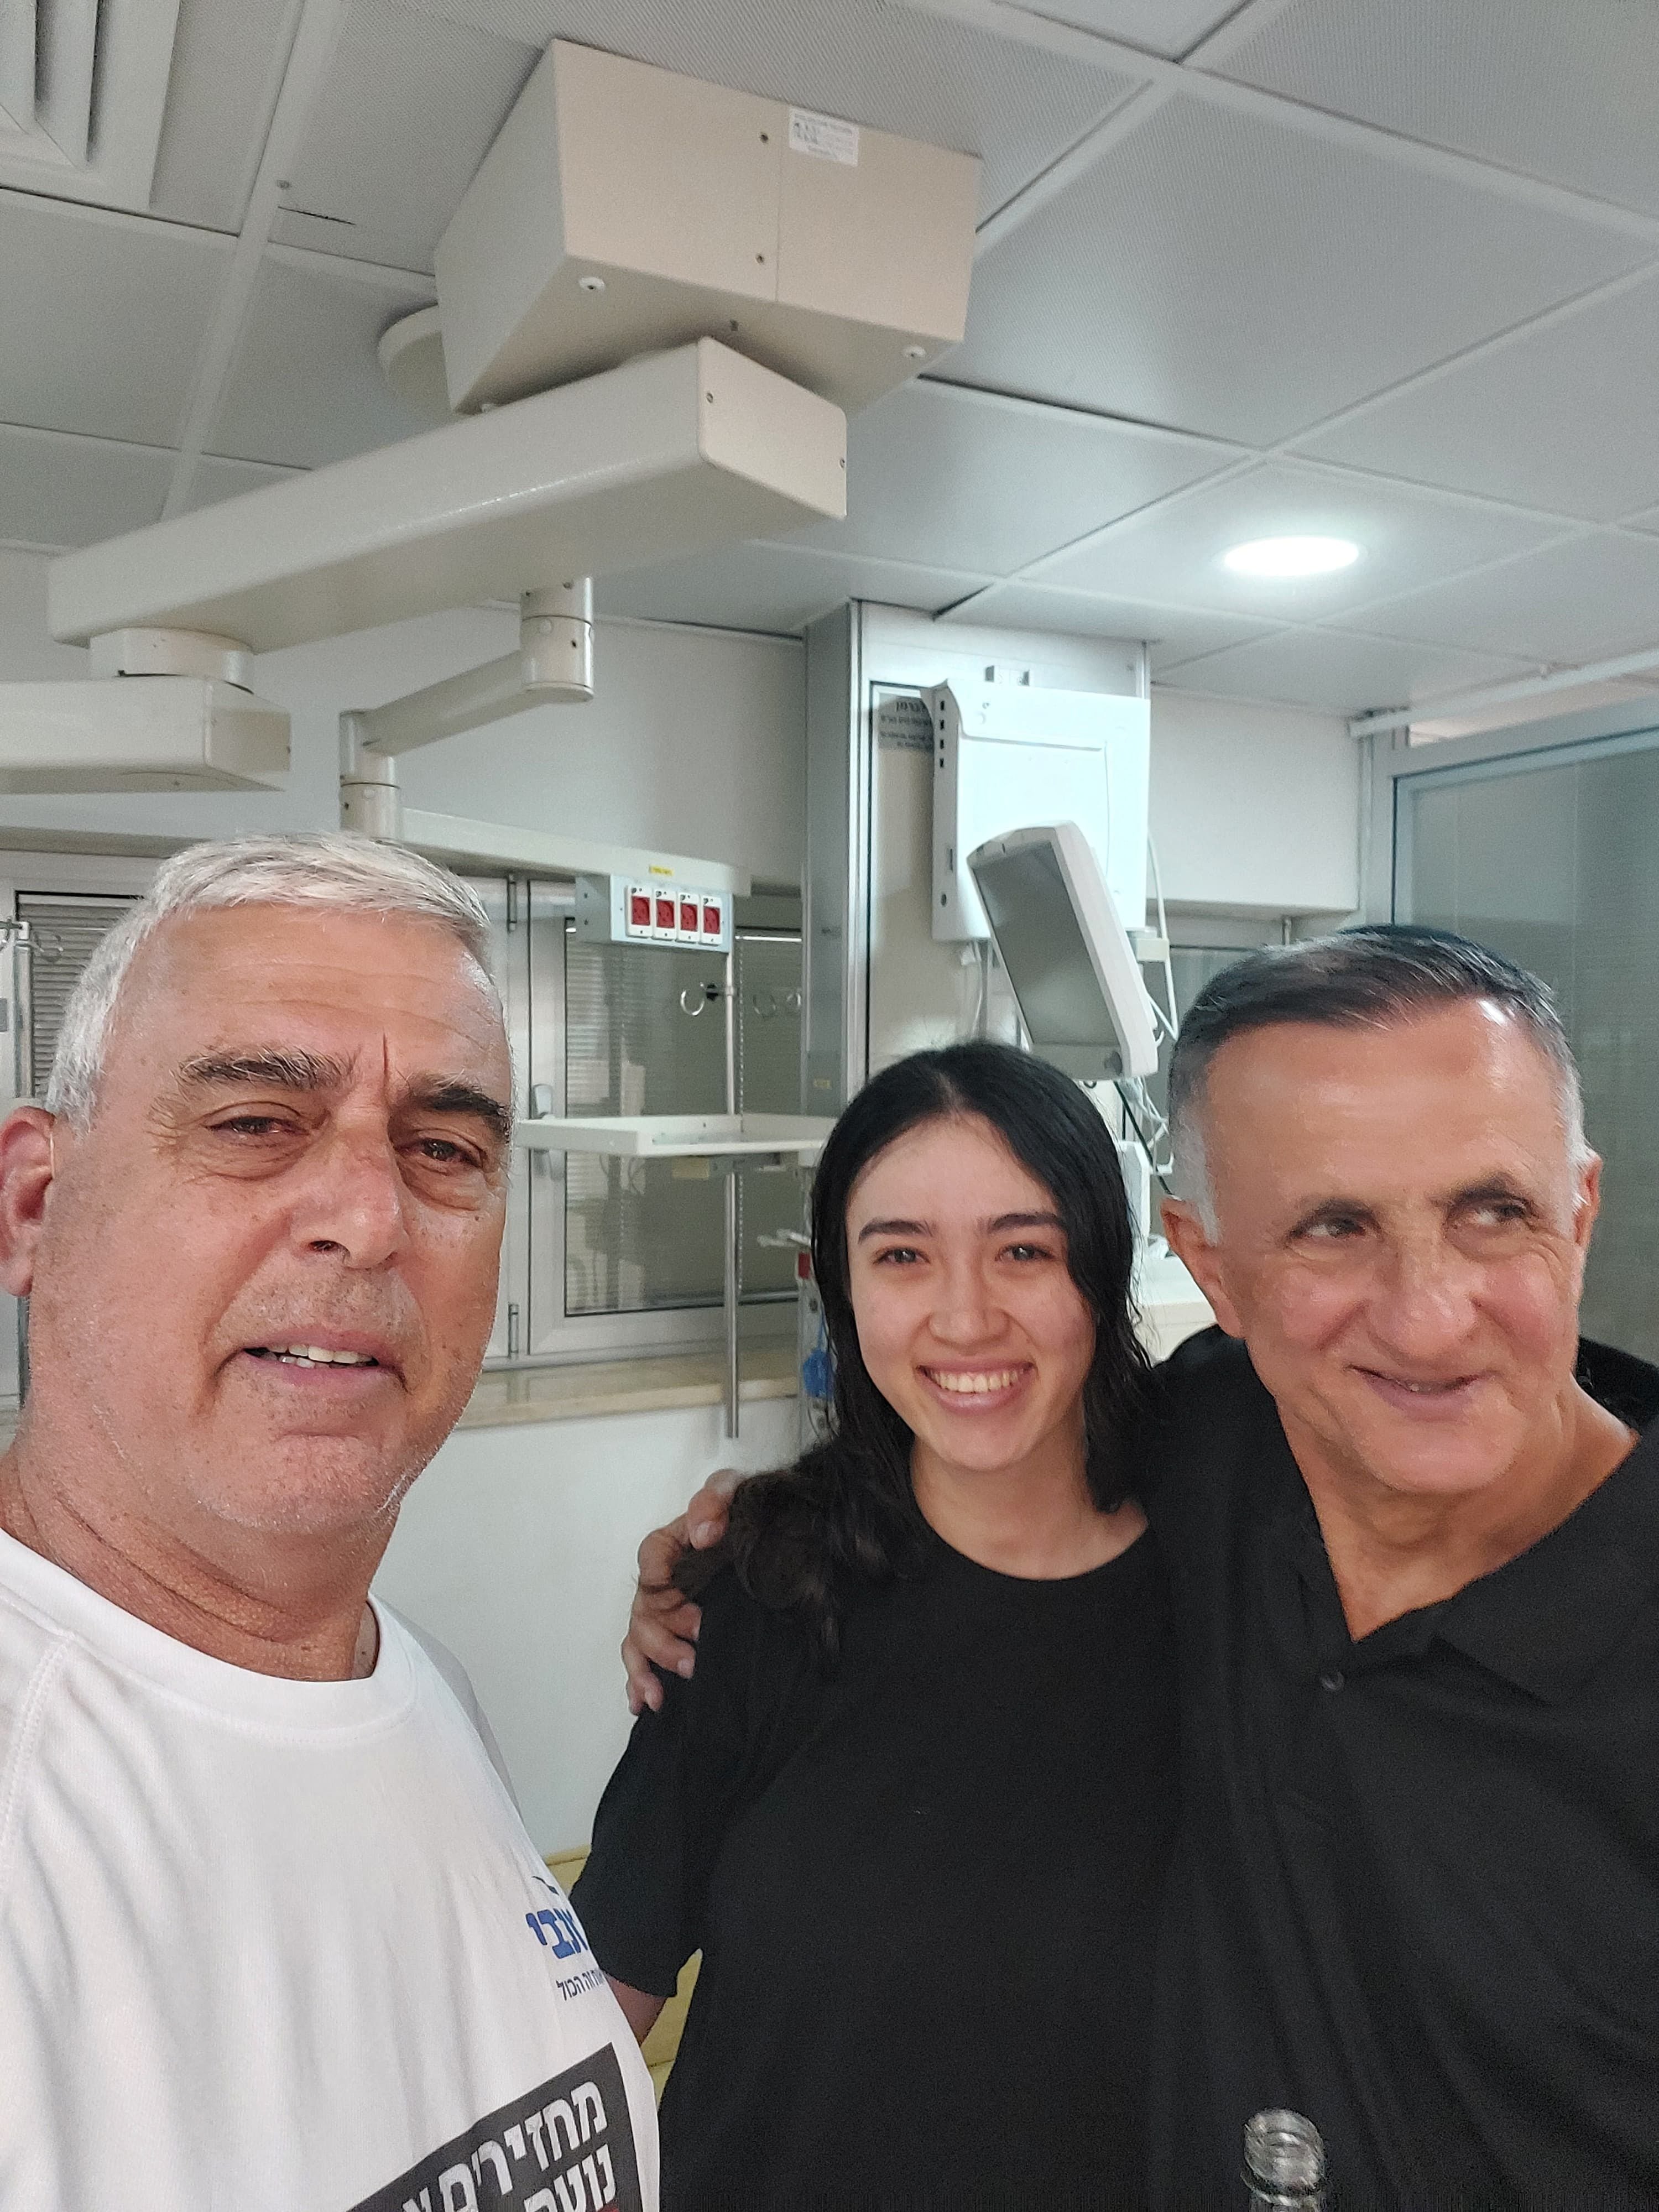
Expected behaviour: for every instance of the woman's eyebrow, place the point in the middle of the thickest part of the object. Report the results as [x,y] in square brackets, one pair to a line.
[1002,1223]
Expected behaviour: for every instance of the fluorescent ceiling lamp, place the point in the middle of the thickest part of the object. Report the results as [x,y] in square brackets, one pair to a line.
[1292,557]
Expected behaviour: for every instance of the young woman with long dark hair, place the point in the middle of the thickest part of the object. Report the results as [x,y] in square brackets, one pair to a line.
[915,1804]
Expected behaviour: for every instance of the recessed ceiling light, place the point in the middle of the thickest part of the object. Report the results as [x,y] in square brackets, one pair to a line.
[1292,557]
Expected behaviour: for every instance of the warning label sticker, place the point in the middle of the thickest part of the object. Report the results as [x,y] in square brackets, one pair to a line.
[825,136]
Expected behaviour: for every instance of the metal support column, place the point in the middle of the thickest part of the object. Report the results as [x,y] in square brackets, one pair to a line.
[733,1283]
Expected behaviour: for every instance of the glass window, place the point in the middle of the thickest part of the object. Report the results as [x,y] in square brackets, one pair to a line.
[1552,862]
[644,1033]
[64,932]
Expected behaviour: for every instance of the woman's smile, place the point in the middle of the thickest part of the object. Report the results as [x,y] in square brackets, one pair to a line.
[976,1390]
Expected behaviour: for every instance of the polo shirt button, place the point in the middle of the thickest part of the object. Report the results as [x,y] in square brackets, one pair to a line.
[1332,1681]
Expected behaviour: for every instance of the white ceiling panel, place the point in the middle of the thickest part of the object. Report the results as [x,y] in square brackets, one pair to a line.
[1223,274]
[919,75]
[1173,633]
[1595,596]
[1565,417]
[407,113]
[307,387]
[1563,89]
[227,58]
[58,490]
[1334,673]
[773,588]
[1172,554]
[100,318]
[216,479]
[1165,26]
[951,478]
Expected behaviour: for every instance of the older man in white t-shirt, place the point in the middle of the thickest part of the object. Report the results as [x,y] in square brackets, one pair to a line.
[272,1936]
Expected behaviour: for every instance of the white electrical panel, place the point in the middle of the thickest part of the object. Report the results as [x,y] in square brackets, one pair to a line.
[1007,757]
[653,910]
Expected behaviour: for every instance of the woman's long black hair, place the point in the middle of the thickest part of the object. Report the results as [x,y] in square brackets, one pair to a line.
[802,1540]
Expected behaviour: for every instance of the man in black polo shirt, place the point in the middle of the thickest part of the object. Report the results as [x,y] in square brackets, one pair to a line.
[1415,1552]
[1413,1540]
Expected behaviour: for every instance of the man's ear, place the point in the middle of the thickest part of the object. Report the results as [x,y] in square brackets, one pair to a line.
[1190,1241]
[26,1174]
[1587,1204]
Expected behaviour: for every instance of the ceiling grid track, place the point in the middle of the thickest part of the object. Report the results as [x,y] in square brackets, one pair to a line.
[1345,131]
[314,41]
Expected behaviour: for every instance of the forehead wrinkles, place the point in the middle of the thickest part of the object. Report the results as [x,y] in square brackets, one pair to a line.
[1393,1148]
[220,966]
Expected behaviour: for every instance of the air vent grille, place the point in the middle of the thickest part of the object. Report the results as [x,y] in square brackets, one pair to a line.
[83,89]
[48,60]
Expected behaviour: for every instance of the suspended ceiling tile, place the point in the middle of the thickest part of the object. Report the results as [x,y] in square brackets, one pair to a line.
[59,491]
[1334,673]
[1566,417]
[919,75]
[307,387]
[216,479]
[1165,26]
[1171,554]
[1174,634]
[773,588]
[1594,597]
[1566,92]
[1224,274]
[957,479]
[407,113]
[227,60]
[101,318]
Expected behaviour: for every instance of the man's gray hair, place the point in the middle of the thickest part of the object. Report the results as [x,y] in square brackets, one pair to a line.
[328,868]
[1365,978]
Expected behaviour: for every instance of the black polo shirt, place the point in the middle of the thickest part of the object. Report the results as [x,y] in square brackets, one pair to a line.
[1417,1895]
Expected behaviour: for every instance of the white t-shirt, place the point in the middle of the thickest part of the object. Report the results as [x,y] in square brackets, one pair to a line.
[283,1946]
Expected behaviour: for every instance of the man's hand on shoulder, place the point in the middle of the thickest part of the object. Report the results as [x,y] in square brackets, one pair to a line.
[662,1627]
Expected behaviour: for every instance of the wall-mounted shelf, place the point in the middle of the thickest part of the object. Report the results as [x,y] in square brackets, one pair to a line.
[791,1139]
[727,1141]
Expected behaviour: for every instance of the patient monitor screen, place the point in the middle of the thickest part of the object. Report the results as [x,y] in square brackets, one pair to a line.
[1049,964]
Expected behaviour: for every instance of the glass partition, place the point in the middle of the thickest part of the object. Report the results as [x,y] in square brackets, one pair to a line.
[1549,858]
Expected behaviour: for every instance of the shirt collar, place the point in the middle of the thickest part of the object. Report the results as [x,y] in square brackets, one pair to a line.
[1545,1620]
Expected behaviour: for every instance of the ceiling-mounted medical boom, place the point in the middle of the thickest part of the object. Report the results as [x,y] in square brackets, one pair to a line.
[660,456]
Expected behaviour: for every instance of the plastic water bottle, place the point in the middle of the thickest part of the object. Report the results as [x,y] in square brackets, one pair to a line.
[1284,2162]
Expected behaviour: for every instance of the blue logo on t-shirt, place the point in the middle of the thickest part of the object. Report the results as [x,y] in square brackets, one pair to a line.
[557,1927]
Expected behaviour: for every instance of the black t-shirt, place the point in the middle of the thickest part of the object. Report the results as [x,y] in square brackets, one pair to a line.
[1417,1894]
[925,1888]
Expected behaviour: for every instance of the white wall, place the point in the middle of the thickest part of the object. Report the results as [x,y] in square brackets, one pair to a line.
[1253,807]
[695,743]
[516,1548]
